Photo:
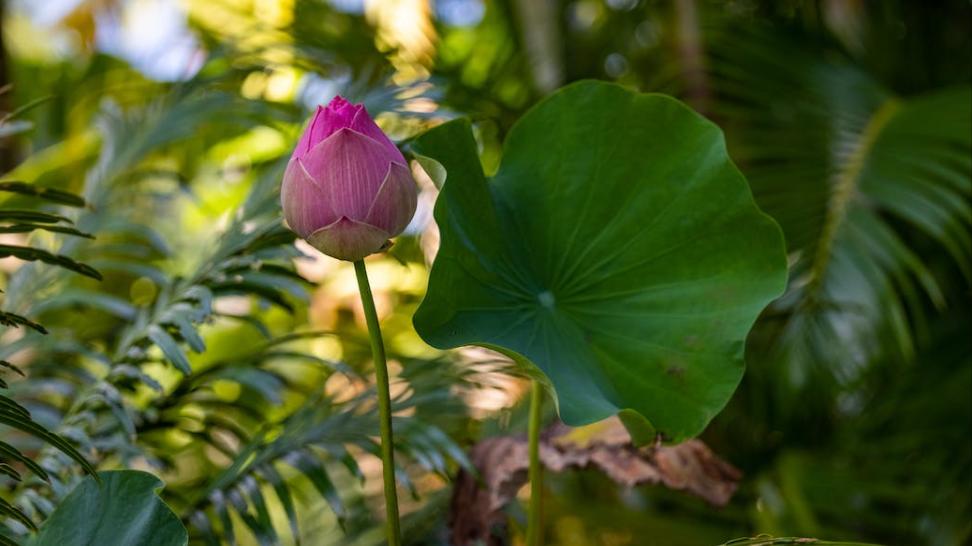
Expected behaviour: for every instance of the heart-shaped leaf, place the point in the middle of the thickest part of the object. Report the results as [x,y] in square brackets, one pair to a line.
[123,509]
[617,248]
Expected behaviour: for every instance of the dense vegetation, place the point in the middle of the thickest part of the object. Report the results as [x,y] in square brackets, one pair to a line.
[157,315]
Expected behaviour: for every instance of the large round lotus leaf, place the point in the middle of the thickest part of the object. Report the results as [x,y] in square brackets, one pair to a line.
[617,248]
[122,509]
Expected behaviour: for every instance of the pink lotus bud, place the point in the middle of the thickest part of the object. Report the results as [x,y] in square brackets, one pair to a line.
[347,188]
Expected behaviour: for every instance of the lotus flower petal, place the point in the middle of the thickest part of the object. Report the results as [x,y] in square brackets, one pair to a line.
[350,168]
[349,239]
[363,124]
[312,135]
[338,114]
[306,207]
[347,188]
[395,203]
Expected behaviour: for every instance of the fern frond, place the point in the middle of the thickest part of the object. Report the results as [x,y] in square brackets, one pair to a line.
[12,413]
[317,445]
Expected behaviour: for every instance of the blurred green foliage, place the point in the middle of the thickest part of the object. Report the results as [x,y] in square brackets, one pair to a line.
[238,372]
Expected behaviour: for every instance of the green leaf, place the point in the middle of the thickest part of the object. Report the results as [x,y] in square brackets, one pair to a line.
[617,248]
[189,333]
[15,320]
[9,405]
[433,168]
[170,348]
[12,367]
[246,289]
[48,194]
[218,500]
[136,269]
[315,471]
[17,215]
[11,453]
[28,227]
[10,472]
[35,254]
[14,415]
[10,510]
[85,299]
[270,474]
[123,509]
[249,489]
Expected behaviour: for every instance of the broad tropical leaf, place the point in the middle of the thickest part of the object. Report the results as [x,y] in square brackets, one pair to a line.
[618,249]
[123,508]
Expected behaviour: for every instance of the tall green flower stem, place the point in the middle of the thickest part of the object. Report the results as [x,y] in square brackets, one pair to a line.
[393,528]
[534,516]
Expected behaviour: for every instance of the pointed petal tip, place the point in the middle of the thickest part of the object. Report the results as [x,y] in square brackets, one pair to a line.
[348,135]
[340,105]
[363,123]
[319,117]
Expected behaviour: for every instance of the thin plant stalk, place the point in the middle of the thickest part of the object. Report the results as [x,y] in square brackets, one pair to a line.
[392,526]
[535,514]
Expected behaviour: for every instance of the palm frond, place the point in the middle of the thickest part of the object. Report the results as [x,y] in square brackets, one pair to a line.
[866,184]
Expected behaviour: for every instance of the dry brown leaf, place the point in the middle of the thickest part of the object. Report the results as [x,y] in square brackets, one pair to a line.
[476,513]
